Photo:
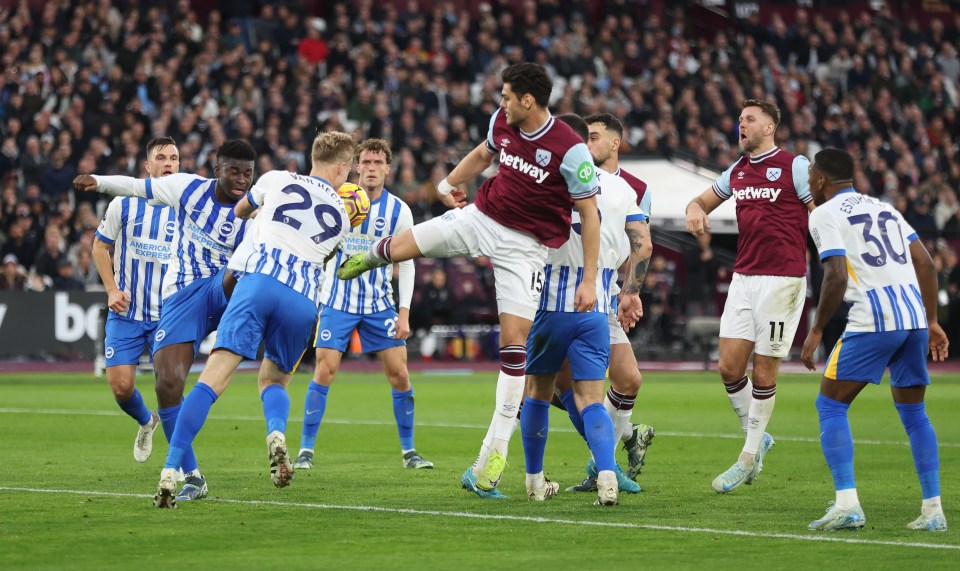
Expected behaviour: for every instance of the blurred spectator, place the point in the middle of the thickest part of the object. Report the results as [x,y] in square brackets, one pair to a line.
[64,279]
[18,243]
[435,305]
[11,276]
[50,256]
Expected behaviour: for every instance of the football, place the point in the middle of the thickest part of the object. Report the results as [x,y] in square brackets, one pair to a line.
[356,202]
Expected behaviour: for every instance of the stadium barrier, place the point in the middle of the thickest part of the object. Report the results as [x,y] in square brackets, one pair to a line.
[50,324]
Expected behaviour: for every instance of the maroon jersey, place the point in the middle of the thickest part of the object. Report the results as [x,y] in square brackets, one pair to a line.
[541,174]
[636,184]
[772,190]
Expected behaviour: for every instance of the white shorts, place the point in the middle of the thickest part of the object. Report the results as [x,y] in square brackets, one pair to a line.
[765,310]
[617,335]
[517,258]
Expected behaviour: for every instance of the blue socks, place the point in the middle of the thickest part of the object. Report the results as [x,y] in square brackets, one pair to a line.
[403,412]
[194,411]
[276,408]
[534,426]
[836,441]
[923,444]
[598,428]
[313,408]
[570,404]
[135,408]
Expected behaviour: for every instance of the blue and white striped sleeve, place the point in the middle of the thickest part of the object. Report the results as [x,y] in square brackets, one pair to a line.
[491,144]
[826,233]
[578,170]
[109,229]
[721,186]
[801,178]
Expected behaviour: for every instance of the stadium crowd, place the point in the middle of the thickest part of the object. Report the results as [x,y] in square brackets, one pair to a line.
[84,86]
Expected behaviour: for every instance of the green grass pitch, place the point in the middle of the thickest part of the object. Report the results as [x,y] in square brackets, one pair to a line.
[71,495]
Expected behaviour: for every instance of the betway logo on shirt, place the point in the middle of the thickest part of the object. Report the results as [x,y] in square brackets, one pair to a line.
[754,193]
[530,169]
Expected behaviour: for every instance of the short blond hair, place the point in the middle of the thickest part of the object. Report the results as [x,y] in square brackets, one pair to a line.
[333,147]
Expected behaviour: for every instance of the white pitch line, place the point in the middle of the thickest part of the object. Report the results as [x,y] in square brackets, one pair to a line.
[241,418]
[529,519]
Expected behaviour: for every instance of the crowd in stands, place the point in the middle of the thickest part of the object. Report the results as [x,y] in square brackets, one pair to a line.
[84,86]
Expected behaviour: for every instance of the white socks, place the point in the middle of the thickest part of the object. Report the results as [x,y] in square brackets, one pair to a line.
[847,499]
[759,415]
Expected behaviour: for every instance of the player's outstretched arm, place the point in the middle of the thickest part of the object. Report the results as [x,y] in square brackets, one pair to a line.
[698,209]
[469,168]
[927,277]
[831,295]
[586,295]
[112,185]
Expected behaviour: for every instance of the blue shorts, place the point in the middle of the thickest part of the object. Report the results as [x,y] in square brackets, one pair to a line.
[584,338]
[126,338]
[864,356]
[376,330]
[263,309]
[192,313]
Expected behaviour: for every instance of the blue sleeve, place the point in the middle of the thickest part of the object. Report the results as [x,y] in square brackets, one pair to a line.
[578,170]
[149,187]
[646,202]
[721,186]
[801,178]
[491,144]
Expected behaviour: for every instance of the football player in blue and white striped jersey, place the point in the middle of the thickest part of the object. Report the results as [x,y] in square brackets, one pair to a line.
[562,332]
[300,224]
[874,261]
[365,303]
[194,297]
[141,235]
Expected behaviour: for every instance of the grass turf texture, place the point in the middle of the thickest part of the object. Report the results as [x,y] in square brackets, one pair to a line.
[358,508]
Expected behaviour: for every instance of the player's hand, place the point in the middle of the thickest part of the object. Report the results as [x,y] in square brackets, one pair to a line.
[809,348]
[118,301]
[403,329]
[938,342]
[629,310]
[456,199]
[85,183]
[586,297]
[697,221]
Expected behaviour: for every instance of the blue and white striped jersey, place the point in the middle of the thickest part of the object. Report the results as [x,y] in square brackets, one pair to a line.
[617,203]
[301,221]
[882,287]
[371,292]
[143,236]
[209,231]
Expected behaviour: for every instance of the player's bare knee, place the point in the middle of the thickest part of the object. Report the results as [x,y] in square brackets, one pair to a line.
[324,373]
[731,372]
[399,380]
[121,383]
[626,382]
